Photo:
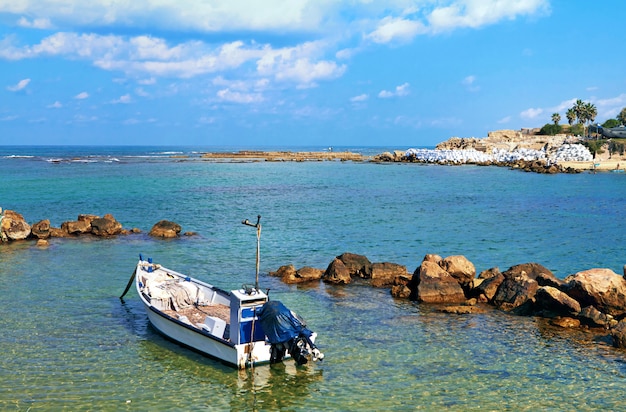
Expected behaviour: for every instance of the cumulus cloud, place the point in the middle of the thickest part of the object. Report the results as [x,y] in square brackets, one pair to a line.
[21,85]
[396,29]
[41,23]
[125,99]
[478,13]
[401,90]
[239,97]
[359,98]
[470,83]
[531,113]
[81,96]
[55,105]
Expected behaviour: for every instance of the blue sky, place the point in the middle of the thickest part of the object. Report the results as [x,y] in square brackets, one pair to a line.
[395,73]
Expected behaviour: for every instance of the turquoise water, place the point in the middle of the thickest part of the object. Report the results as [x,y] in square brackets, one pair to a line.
[68,343]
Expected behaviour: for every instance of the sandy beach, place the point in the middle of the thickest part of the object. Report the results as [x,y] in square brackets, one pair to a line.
[601,162]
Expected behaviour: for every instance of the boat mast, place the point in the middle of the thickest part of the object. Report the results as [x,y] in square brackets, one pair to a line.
[258,247]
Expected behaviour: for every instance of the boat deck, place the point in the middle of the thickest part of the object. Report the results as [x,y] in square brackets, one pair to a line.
[197,314]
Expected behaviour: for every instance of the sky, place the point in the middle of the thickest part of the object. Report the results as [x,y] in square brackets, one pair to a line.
[388,73]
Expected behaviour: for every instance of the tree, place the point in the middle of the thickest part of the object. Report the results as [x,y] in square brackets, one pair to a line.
[622,116]
[611,123]
[556,118]
[550,129]
[584,112]
[571,116]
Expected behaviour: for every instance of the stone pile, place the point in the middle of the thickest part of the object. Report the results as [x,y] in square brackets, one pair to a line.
[594,299]
[13,227]
[566,152]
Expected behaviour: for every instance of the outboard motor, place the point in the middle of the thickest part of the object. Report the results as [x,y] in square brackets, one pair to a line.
[286,331]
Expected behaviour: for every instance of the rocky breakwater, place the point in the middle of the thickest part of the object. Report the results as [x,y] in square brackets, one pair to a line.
[539,161]
[593,300]
[541,154]
[13,227]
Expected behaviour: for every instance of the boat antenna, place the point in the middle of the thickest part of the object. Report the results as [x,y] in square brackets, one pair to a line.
[258,247]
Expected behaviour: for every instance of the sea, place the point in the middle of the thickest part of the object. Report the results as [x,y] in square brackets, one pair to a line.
[68,343]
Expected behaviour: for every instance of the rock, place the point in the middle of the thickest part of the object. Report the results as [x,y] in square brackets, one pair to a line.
[384,274]
[459,268]
[462,309]
[87,218]
[619,334]
[14,227]
[305,274]
[76,227]
[357,265]
[435,285]
[41,229]
[592,317]
[165,229]
[401,291]
[534,271]
[565,322]
[515,291]
[433,258]
[108,226]
[42,243]
[491,281]
[337,273]
[601,288]
[554,301]
[57,232]
[285,270]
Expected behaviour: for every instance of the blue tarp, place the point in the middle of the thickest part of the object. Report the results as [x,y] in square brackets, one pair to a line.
[280,324]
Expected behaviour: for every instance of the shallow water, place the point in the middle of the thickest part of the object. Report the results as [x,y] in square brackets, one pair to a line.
[70,344]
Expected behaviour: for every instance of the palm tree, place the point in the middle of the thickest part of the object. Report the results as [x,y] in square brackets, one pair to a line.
[571,116]
[556,118]
[622,116]
[590,114]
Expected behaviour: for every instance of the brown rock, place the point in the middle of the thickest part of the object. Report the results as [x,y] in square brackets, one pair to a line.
[593,317]
[552,300]
[601,288]
[14,227]
[41,229]
[305,274]
[565,322]
[515,291]
[459,268]
[357,265]
[42,243]
[57,232]
[489,285]
[337,273]
[165,229]
[462,309]
[619,334]
[284,270]
[384,274]
[106,226]
[400,291]
[432,258]
[77,227]
[435,285]
[534,271]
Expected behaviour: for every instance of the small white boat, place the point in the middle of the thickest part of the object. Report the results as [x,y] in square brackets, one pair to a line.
[241,328]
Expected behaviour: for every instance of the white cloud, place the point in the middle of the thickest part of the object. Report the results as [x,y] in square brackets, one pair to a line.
[21,85]
[41,23]
[402,90]
[359,98]
[125,99]
[396,29]
[504,120]
[470,83]
[531,113]
[81,96]
[478,13]
[55,105]
[239,97]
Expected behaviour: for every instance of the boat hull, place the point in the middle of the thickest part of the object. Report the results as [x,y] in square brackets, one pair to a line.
[223,348]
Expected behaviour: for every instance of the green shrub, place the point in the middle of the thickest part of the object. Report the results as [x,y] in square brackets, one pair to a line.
[550,129]
[611,123]
[577,130]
